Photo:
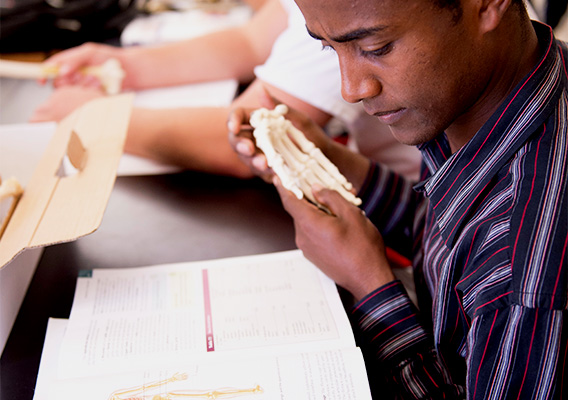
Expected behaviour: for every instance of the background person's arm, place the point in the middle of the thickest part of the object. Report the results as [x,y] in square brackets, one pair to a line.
[193,138]
[226,54]
[196,138]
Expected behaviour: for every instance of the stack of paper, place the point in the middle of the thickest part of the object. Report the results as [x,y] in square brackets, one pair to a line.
[264,327]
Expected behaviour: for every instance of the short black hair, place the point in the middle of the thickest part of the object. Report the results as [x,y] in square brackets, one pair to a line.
[455,6]
[452,5]
[456,3]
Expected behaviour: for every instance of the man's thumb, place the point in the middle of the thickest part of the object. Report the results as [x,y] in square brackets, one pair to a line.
[328,197]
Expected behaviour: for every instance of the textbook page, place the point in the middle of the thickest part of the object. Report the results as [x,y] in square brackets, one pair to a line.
[154,316]
[332,374]
[47,372]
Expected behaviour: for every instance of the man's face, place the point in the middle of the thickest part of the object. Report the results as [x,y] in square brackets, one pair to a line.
[409,62]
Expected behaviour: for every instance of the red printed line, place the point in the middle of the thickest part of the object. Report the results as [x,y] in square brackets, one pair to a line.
[209,340]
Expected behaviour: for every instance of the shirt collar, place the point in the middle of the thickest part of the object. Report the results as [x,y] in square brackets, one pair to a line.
[457,180]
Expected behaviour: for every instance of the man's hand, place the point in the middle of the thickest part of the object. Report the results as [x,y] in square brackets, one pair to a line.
[345,245]
[243,143]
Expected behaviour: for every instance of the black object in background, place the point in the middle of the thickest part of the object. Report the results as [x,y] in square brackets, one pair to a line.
[44,25]
[555,10]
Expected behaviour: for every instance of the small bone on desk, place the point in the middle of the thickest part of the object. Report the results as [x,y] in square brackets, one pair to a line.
[110,73]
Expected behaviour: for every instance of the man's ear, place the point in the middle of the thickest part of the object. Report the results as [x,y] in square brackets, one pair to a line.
[491,13]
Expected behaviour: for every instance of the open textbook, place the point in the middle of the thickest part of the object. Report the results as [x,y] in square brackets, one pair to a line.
[260,327]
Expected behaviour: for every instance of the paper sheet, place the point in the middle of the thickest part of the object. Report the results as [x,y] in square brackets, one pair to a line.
[47,373]
[332,374]
[152,316]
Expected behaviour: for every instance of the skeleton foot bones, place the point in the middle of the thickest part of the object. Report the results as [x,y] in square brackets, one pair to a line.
[294,159]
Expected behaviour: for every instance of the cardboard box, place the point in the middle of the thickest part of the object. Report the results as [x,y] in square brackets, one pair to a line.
[60,204]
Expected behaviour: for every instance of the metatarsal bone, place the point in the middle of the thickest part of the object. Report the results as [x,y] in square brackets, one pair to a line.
[330,167]
[292,158]
[303,143]
[275,160]
[308,147]
[296,160]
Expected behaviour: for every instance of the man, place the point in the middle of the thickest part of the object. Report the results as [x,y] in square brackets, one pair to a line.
[483,93]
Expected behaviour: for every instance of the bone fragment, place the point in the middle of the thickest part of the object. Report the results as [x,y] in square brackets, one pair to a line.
[10,188]
[110,73]
[294,159]
[10,191]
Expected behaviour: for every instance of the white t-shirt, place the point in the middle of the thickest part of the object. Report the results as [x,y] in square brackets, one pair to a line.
[299,66]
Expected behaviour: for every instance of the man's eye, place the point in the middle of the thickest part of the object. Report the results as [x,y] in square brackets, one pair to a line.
[379,52]
[326,47]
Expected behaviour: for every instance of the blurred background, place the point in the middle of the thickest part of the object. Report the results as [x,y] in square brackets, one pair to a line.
[37,28]
[34,29]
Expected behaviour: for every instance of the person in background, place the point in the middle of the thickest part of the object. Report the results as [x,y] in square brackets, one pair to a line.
[273,45]
[483,93]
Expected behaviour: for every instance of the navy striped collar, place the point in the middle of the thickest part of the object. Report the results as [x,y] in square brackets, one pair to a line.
[457,180]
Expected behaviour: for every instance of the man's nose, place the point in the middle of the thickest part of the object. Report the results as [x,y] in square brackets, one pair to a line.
[357,82]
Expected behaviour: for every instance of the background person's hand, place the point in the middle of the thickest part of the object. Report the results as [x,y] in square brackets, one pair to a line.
[63,101]
[72,62]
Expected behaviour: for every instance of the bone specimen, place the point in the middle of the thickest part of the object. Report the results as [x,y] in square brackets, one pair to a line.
[294,159]
[110,73]
[10,191]
[143,392]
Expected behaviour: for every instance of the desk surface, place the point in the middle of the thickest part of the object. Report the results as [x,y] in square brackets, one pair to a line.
[149,220]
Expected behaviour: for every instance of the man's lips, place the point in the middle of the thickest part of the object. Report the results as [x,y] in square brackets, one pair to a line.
[390,117]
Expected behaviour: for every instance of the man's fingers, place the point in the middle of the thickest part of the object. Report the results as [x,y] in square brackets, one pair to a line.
[288,198]
[291,203]
[259,162]
[244,147]
[332,200]
[282,191]
[238,120]
[240,135]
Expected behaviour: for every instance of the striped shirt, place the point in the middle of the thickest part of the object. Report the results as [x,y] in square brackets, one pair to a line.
[489,227]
